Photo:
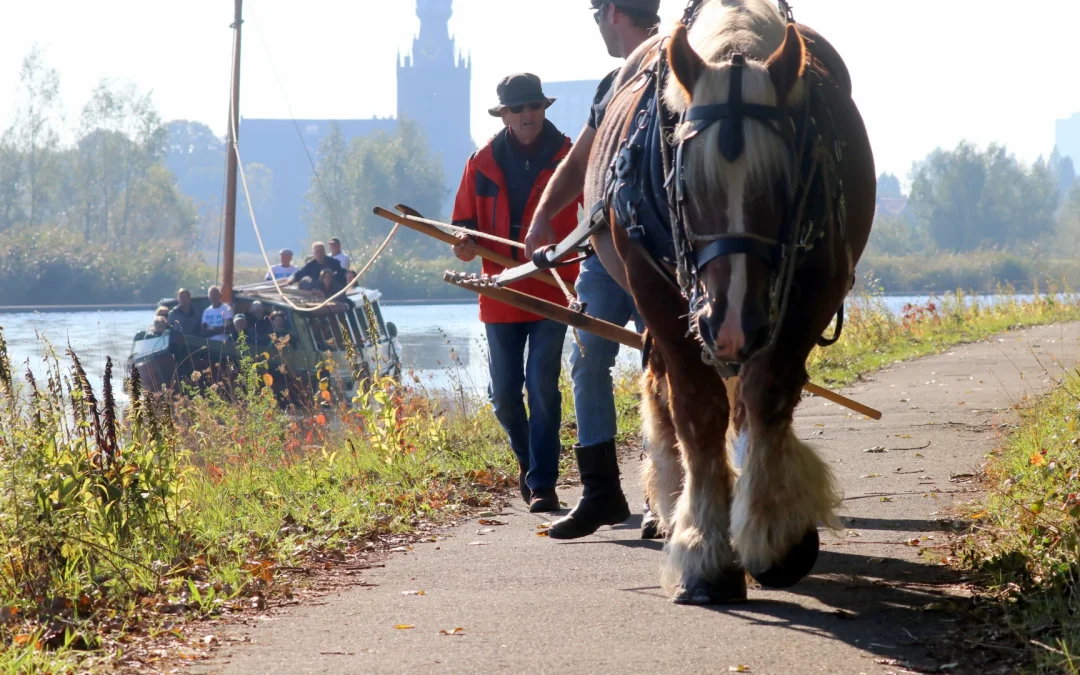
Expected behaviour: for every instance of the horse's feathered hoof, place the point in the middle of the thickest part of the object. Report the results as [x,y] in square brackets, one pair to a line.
[795,564]
[729,589]
[650,529]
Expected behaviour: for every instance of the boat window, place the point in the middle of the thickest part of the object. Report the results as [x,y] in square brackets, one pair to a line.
[357,334]
[324,333]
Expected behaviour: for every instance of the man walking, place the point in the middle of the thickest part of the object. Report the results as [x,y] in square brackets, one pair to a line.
[498,194]
[624,25]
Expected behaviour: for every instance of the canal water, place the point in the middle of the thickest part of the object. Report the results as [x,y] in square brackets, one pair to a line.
[443,345]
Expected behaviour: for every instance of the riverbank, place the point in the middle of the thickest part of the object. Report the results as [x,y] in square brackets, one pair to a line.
[1025,546]
[124,528]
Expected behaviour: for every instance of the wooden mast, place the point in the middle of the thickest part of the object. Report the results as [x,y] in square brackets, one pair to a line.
[231,164]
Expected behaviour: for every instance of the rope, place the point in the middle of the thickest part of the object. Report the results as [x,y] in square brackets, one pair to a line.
[258,235]
[296,125]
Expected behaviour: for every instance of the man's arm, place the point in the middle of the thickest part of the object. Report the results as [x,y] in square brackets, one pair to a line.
[464,214]
[562,190]
[300,274]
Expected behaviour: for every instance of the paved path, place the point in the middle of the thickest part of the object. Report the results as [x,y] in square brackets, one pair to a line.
[532,605]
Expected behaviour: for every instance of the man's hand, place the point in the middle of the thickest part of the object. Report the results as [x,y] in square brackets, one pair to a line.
[465,249]
[540,234]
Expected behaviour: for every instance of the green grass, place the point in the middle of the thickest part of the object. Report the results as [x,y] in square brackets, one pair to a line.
[110,518]
[1026,543]
[874,338]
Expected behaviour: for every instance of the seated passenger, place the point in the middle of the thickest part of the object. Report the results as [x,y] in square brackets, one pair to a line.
[158,328]
[314,267]
[215,318]
[240,326]
[279,324]
[183,318]
[257,316]
[328,284]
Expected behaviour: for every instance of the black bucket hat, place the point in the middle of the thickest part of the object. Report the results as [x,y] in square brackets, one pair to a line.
[520,89]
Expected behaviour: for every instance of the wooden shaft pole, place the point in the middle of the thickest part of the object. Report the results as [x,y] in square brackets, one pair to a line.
[615,333]
[550,310]
[443,236]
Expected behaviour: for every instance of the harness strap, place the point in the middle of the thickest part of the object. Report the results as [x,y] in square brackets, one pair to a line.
[770,253]
[829,342]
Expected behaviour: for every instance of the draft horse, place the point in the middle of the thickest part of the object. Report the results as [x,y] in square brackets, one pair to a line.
[738,184]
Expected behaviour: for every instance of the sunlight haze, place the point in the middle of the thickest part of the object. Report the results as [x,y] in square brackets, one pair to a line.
[926,73]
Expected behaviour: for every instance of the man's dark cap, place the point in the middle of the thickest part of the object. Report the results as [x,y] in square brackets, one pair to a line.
[650,6]
[520,89]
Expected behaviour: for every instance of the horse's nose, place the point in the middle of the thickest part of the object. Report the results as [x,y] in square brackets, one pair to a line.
[756,330]
[724,335]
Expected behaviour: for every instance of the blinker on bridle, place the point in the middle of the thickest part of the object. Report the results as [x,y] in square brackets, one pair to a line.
[731,115]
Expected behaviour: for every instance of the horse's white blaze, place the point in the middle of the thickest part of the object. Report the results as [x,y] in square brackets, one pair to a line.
[738,284]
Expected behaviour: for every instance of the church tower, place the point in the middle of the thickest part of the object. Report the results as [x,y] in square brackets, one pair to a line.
[434,85]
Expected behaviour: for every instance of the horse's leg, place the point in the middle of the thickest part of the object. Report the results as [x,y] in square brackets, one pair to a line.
[785,490]
[662,473]
[701,566]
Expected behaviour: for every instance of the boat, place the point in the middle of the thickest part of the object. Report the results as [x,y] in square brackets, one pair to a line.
[326,346]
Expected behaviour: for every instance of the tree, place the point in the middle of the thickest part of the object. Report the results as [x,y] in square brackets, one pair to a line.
[888,185]
[352,178]
[968,199]
[36,137]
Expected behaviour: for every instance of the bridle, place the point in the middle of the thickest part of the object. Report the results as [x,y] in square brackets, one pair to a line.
[693,251]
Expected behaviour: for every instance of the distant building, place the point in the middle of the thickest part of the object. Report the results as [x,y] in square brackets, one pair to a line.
[433,89]
[571,110]
[1067,138]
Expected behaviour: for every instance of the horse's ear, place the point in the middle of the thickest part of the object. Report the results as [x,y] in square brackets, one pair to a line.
[684,61]
[787,64]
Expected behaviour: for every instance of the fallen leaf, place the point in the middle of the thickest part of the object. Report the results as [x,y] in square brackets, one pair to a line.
[22,640]
[738,669]
[478,543]
[486,530]
[542,533]
[543,526]
[404,626]
[413,593]
[455,631]
[877,560]
[876,449]
[912,542]
[886,499]
[484,521]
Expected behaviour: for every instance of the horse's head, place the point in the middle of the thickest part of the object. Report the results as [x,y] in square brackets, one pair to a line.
[736,182]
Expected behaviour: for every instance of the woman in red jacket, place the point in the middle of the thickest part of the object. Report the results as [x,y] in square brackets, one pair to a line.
[502,184]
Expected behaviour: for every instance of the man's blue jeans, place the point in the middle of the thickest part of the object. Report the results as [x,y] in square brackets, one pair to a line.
[534,437]
[594,389]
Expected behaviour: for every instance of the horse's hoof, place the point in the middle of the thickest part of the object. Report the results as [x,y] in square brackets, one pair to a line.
[795,564]
[650,529]
[729,589]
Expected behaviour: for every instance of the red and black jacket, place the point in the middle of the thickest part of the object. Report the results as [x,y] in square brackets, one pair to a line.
[483,204]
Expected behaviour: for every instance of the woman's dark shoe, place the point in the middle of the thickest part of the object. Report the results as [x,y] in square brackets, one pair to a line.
[544,500]
[602,502]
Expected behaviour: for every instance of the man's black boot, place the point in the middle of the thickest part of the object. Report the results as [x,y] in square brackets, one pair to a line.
[602,502]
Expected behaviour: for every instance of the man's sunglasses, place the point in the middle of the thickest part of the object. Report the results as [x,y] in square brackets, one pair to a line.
[518,109]
[599,13]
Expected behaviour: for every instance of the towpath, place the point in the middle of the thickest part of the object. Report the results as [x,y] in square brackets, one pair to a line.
[873,604]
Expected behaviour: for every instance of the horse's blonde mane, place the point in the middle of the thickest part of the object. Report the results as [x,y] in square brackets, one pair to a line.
[756,29]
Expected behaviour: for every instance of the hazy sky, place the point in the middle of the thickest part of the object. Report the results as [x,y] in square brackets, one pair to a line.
[926,72]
